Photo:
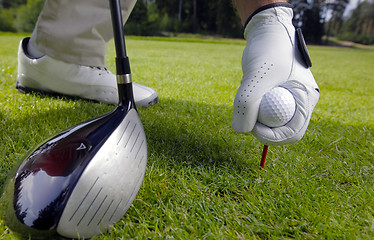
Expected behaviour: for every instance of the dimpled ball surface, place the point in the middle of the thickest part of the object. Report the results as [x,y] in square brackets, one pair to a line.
[277,107]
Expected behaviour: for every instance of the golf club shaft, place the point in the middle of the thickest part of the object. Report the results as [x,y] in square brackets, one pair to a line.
[124,79]
[121,55]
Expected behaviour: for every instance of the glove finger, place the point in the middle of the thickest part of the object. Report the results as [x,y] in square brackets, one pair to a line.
[306,97]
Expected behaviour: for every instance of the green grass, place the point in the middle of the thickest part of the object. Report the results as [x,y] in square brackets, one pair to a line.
[203,181]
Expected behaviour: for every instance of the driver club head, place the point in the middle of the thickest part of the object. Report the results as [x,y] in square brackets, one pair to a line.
[83,180]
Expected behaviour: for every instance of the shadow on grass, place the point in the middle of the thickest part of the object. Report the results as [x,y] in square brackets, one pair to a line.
[180,132]
[196,134]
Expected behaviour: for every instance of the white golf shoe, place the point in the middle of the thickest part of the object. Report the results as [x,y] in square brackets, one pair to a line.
[49,76]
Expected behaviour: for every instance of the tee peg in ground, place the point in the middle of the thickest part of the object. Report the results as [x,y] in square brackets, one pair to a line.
[263,158]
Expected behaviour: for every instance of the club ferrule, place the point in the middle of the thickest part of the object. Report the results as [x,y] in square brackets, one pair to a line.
[124,79]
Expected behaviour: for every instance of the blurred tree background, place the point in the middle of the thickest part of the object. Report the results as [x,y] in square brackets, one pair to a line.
[320,20]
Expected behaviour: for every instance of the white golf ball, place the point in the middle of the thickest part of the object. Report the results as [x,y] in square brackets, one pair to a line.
[277,107]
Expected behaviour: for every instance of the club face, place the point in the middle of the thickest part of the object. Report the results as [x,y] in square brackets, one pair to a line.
[44,184]
[110,182]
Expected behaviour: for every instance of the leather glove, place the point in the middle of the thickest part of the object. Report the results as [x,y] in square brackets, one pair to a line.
[275,55]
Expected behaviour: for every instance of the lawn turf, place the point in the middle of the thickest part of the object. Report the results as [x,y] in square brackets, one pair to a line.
[203,181]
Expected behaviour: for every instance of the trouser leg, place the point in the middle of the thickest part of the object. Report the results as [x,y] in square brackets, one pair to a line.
[76,31]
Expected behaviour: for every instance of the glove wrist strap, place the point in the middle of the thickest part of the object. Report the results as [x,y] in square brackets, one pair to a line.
[271,5]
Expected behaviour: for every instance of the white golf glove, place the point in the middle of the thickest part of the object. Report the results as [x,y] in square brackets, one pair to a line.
[275,55]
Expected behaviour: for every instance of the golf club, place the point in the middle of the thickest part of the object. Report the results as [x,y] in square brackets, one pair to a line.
[83,180]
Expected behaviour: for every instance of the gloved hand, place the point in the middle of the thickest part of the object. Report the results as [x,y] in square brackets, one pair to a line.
[275,55]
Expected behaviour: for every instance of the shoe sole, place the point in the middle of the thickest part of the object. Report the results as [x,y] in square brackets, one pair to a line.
[27,90]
